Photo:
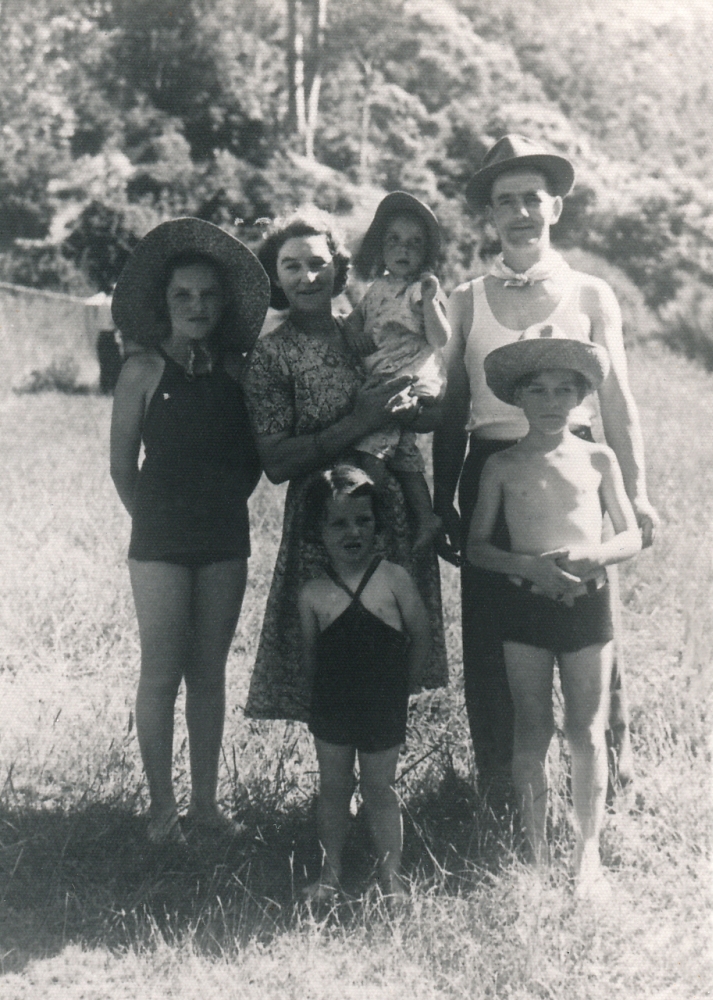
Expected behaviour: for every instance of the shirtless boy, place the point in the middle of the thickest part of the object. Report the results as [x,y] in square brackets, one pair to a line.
[555,488]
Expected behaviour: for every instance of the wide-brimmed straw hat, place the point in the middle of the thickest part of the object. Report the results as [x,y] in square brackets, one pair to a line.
[543,347]
[138,290]
[394,204]
[517,152]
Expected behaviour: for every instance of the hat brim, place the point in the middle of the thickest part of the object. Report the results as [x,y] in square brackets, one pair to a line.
[394,204]
[558,170]
[507,365]
[133,306]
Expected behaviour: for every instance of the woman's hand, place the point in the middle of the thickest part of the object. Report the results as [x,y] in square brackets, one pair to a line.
[375,405]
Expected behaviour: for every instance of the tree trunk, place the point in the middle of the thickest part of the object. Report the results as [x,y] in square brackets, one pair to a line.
[319,24]
[296,120]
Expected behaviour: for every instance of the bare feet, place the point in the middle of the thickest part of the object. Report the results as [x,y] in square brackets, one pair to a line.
[591,883]
[319,893]
[166,829]
[429,529]
[213,820]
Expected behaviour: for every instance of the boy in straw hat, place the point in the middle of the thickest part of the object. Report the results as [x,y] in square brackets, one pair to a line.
[520,186]
[554,488]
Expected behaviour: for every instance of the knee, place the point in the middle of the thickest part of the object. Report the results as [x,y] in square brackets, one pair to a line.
[204,683]
[585,734]
[534,727]
[378,795]
[158,688]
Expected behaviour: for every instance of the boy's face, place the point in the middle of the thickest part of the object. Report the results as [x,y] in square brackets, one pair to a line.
[549,398]
[522,209]
[348,529]
[404,247]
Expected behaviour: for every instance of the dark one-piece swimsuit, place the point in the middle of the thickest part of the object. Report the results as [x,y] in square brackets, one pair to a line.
[200,467]
[361,682]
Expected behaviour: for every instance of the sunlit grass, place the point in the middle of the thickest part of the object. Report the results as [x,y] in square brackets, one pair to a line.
[88,909]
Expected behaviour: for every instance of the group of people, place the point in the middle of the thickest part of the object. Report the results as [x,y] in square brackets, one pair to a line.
[505,368]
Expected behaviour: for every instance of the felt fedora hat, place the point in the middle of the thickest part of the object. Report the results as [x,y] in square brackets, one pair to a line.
[394,204]
[542,347]
[517,152]
[139,289]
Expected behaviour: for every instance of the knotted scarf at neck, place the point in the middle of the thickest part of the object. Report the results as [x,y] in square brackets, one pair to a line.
[552,265]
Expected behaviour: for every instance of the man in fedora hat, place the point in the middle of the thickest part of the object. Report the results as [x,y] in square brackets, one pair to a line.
[520,186]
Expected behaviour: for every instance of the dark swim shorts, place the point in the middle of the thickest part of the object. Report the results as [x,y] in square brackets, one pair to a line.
[537,620]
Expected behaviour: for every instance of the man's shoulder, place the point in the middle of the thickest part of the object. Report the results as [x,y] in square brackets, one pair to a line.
[465,289]
[590,284]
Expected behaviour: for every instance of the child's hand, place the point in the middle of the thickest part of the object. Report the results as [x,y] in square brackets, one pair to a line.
[581,561]
[555,580]
[429,286]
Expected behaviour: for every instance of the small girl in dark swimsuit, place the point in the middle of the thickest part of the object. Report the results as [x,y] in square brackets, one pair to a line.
[365,636]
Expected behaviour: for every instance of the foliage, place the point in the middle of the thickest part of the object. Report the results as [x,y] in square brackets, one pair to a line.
[139,110]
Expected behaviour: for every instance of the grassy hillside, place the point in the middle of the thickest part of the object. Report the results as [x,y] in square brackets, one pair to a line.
[88,910]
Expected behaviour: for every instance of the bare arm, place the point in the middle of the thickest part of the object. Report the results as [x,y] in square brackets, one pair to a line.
[626,541]
[542,570]
[354,333]
[415,619]
[138,380]
[285,455]
[310,631]
[450,438]
[620,415]
[438,329]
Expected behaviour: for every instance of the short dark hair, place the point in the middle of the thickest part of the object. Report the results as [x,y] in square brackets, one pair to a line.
[305,221]
[369,258]
[583,386]
[340,481]
[188,258]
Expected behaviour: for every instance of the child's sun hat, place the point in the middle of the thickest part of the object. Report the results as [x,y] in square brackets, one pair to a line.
[543,347]
[137,290]
[395,204]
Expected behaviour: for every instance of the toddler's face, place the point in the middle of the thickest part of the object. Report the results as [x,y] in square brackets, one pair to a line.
[348,529]
[404,247]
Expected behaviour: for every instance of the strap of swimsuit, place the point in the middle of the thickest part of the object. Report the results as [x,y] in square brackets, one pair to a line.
[355,595]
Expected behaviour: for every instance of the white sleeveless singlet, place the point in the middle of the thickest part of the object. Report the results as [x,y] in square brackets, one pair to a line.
[490,418]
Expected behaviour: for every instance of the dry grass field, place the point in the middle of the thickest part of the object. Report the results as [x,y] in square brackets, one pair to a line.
[89,910]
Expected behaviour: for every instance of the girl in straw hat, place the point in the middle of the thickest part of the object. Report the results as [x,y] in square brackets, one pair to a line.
[194,298]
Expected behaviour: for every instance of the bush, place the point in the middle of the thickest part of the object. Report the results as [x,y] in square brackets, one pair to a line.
[687,323]
[60,375]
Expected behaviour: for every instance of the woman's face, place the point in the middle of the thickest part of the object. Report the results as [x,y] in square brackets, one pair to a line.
[195,301]
[305,273]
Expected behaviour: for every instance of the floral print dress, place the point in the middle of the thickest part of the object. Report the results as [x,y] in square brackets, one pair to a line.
[303,384]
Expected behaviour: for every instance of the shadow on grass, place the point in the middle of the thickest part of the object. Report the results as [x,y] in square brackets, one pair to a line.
[90,876]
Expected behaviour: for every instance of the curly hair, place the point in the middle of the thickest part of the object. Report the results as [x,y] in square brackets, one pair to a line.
[305,221]
[340,481]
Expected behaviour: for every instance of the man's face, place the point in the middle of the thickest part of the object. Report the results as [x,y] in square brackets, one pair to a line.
[522,209]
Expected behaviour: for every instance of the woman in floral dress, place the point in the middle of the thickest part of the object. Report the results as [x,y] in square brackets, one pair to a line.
[308,408]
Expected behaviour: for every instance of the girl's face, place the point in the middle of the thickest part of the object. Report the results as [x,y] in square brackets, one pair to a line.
[305,273]
[348,529]
[405,247]
[195,301]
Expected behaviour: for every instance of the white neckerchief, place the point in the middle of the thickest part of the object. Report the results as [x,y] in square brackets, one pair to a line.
[552,265]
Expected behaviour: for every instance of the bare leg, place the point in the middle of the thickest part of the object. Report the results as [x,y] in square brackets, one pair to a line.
[585,684]
[336,787]
[162,595]
[374,467]
[418,498]
[218,591]
[530,673]
[377,776]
